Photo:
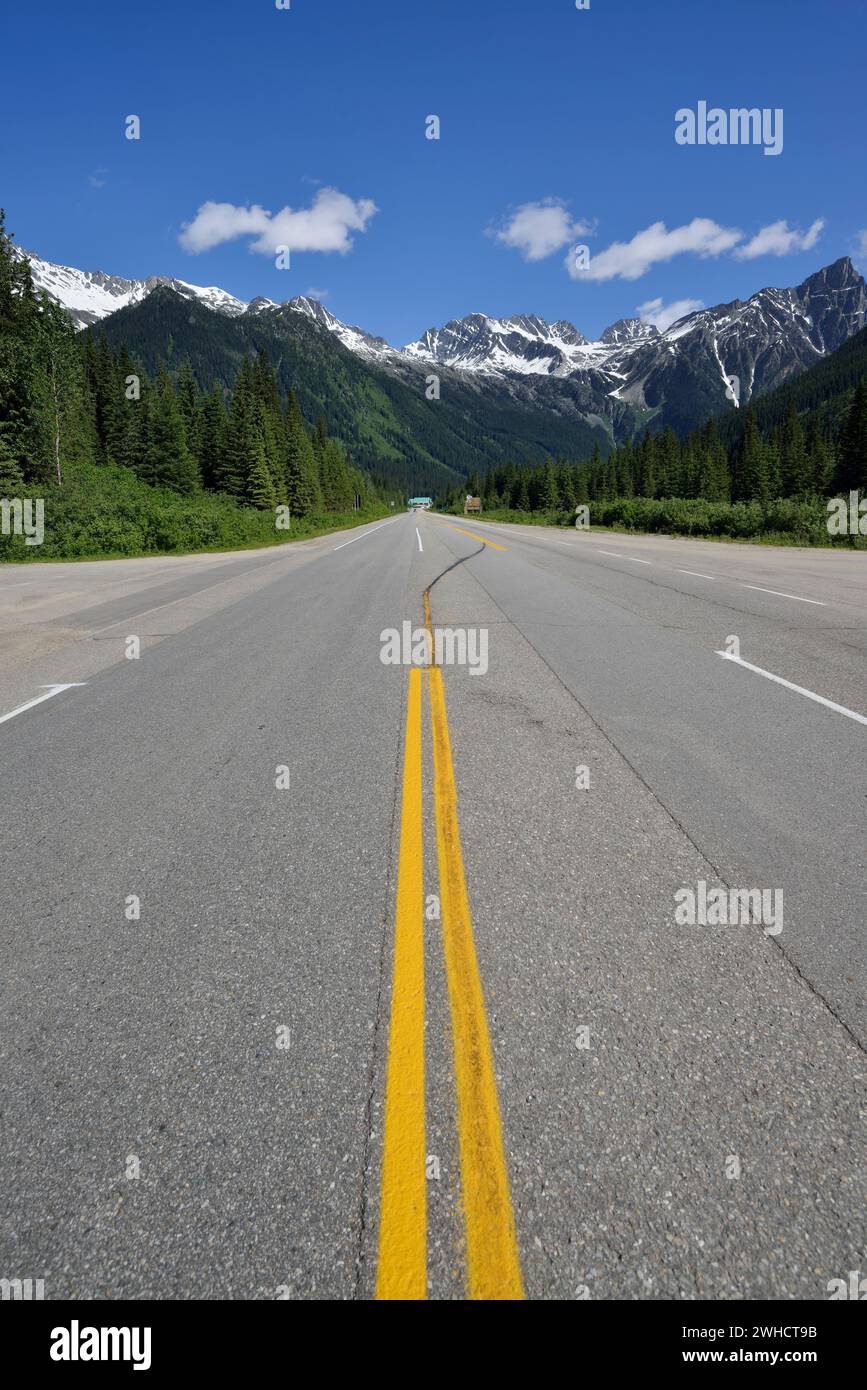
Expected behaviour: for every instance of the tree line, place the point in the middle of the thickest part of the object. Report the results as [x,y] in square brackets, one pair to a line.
[68,398]
[796,459]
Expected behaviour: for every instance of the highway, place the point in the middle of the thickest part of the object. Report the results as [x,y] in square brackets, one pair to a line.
[327,978]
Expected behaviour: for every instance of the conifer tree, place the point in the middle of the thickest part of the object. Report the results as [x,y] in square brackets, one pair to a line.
[852,470]
[820,456]
[212,431]
[168,462]
[797,473]
[188,402]
[11,477]
[752,472]
[258,484]
[549,494]
[303,492]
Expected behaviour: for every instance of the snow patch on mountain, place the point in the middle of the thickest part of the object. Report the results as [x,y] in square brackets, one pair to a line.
[90,295]
[771,337]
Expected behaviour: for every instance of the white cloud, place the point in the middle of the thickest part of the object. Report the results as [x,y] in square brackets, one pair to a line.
[324,226]
[628,260]
[318,295]
[98,178]
[779,239]
[662,316]
[861,245]
[538,230]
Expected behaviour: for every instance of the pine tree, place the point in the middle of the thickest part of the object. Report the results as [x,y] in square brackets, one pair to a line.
[240,440]
[549,495]
[258,484]
[820,457]
[797,473]
[11,477]
[647,470]
[566,486]
[303,492]
[168,462]
[188,402]
[212,432]
[852,469]
[752,480]
[669,483]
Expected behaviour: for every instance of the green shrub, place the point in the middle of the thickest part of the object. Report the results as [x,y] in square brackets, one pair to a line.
[108,511]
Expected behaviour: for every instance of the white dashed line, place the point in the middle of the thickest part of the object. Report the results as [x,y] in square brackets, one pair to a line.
[796,597]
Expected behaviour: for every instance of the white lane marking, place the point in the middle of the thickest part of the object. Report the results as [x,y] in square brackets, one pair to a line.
[696,574]
[52,691]
[418,533]
[636,561]
[780,680]
[796,597]
[613,553]
[366,533]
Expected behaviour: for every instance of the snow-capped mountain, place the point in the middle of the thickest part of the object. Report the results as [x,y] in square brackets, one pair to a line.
[89,295]
[353,338]
[633,372]
[762,341]
[524,344]
[628,331]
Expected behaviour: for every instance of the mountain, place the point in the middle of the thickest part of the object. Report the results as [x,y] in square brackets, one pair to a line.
[766,341]
[91,295]
[824,390]
[678,377]
[517,386]
[525,344]
[384,417]
[355,339]
[628,331]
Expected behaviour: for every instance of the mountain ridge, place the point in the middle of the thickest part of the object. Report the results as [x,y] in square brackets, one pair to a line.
[520,383]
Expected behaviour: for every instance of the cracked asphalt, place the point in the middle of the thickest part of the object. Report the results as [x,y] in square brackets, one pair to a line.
[193,1097]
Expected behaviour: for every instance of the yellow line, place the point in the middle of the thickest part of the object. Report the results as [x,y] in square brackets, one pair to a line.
[493,544]
[402,1268]
[493,1264]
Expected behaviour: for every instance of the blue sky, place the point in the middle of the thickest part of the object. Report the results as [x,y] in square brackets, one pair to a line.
[552,119]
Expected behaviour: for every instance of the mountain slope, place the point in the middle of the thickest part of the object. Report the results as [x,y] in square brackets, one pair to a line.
[825,389]
[678,377]
[91,295]
[386,420]
[516,387]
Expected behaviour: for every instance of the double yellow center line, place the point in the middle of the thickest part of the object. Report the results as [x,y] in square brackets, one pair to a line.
[493,1264]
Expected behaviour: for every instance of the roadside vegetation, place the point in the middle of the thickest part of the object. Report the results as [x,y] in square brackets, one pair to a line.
[770,484]
[131,464]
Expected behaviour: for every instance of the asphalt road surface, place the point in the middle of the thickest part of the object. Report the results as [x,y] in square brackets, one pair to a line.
[328,978]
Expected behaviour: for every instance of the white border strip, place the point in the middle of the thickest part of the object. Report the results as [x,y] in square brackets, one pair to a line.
[52,691]
[365,533]
[799,689]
